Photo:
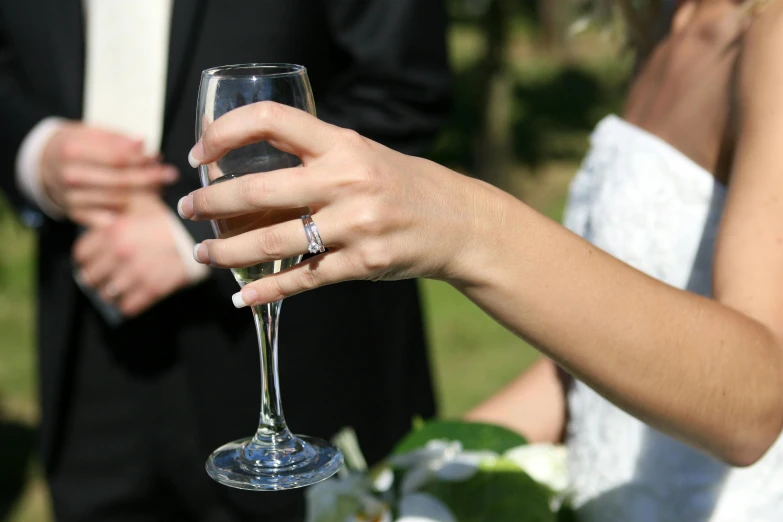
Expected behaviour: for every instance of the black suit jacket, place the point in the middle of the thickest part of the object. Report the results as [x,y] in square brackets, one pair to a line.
[377,66]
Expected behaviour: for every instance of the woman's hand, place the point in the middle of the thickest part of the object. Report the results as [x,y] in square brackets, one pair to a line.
[381,214]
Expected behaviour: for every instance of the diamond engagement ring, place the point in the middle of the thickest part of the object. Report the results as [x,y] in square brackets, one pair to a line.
[315,246]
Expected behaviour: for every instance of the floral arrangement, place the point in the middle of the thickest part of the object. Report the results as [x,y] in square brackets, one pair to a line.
[447,471]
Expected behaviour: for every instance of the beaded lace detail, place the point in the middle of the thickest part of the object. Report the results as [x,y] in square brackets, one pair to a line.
[646,203]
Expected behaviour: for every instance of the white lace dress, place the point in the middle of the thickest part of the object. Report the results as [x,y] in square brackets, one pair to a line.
[644,202]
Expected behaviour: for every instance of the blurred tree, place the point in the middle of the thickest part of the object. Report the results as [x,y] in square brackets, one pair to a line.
[492,145]
[551,18]
[644,22]
[486,136]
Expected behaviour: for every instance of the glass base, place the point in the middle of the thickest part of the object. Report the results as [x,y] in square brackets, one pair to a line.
[248,464]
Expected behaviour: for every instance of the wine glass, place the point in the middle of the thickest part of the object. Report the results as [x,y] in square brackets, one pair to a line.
[273,459]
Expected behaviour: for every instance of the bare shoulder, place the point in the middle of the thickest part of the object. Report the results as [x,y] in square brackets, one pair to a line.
[764,38]
[760,72]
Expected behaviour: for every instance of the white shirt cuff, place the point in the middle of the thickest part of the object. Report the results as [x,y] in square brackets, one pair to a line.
[28,166]
[184,243]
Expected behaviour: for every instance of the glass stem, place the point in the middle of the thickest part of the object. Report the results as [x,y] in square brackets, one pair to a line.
[272,428]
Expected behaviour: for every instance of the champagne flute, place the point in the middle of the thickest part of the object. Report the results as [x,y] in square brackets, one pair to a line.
[273,459]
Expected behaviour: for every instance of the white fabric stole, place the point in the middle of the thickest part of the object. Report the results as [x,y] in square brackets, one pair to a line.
[126,64]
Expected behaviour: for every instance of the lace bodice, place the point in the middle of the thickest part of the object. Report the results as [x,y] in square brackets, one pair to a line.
[644,202]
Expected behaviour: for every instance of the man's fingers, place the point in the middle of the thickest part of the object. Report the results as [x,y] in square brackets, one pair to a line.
[113,199]
[103,147]
[122,284]
[93,218]
[91,176]
[134,302]
[97,273]
[87,246]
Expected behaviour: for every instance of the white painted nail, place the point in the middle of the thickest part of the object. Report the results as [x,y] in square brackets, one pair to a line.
[238,301]
[179,208]
[195,252]
[192,160]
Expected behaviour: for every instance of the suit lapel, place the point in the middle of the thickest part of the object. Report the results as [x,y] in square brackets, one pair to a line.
[66,27]
[185,19]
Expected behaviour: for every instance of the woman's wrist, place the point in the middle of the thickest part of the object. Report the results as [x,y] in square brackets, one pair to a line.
[485,231]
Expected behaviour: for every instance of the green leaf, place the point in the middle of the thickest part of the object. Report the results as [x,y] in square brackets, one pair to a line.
[500,492]
[473,436]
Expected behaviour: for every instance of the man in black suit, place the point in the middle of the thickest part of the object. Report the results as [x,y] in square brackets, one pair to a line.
[130,411]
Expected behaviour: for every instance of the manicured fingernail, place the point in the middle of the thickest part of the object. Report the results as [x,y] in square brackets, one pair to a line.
[245,297]
[195,155]
[185,207]
[200,253]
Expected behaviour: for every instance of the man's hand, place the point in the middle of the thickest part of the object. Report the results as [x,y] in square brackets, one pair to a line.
[134,261]
[92,174]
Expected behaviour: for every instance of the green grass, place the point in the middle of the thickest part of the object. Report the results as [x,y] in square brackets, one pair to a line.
[473,355]
[17,387]
[18,406]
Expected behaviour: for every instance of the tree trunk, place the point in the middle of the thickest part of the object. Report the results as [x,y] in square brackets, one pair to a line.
[492,148]
[550,18]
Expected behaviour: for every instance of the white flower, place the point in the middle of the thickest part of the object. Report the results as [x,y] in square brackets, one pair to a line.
[422,464]
[545,463]
[383,482]
[327,500]
[440,460]
[463,466]
[423,507]
[434,450]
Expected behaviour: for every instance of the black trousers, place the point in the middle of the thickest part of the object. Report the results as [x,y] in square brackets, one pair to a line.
[128,448]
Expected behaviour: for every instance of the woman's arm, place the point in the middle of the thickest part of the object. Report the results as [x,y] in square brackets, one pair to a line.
[707,371]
